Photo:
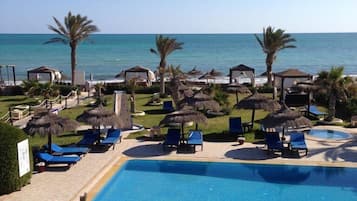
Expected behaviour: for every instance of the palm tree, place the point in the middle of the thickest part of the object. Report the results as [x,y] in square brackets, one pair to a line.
[273,41]
[76,29]
[164,47]
[335,86]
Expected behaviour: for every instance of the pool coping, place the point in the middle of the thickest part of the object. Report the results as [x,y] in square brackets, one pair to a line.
[93,187]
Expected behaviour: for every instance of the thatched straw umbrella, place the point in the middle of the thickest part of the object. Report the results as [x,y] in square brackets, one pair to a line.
[194,72]
[258,101]
[201,101]
[184,116]
[210,75]
[47,123]
[238,88]
[285,118]
[99,116]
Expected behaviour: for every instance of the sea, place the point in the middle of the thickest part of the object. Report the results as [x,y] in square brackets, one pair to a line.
[105,55]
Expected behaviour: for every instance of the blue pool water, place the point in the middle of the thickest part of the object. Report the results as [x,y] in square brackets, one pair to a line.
[329,134]
[141,180]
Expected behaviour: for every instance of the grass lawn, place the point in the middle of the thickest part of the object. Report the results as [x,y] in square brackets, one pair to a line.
[215,130]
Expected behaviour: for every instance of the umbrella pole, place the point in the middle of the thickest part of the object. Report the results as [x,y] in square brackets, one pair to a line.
[183,133]
[49,136]
[253,114]
[237,99]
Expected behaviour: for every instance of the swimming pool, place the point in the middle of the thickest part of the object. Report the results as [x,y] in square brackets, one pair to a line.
[329,134]
[150,180]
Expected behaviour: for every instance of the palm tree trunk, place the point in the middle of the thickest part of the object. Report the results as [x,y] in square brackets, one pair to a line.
[269,63]
[73,62]
[331,107]
[162,77]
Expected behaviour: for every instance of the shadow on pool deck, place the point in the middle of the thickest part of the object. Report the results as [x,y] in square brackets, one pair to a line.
[149,150]
[343,152]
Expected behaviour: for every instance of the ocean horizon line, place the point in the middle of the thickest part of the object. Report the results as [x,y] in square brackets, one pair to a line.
[244,33]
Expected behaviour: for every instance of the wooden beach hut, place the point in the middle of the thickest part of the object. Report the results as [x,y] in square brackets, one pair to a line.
[44,74]
[241,71]
[145,75]
[288,78]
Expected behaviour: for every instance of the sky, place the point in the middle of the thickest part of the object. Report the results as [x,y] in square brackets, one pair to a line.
[184,16]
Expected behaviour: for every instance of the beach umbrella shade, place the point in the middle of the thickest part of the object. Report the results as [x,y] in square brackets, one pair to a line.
[285,118]
[238,88]
[258,101]
[201,101]
[194,72]
[46,123]
[210,75]
[99,116]
[183,116]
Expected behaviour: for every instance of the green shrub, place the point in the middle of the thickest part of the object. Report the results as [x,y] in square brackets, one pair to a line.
[352,106]
[265,89]
[65,89]
[9,168]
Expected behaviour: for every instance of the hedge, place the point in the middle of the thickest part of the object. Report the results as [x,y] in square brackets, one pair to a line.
[9,168]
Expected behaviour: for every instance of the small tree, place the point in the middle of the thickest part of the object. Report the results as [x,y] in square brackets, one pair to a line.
[76,29]
[164,47]
[273,41]
[334,85]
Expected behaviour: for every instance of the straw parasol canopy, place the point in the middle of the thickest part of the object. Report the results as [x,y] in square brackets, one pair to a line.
[183,116]
[46,123]
[99,116]
[238,88]
[201,101]
[258,101]
[285,118]
[210,75]
[121,74]
[194,72]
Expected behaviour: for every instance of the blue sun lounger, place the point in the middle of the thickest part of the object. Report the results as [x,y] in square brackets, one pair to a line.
[273,142]
[49,159]
[314,111]
[68,150]
[172,138]
[113,136]
[235,126]
[297,142]
[167,106]
[195,138]
[89,138]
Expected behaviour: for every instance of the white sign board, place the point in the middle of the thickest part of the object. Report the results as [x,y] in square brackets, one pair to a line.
[23,157]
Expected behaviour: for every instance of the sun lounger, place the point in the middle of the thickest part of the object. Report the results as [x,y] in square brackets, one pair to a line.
[167,106]
[297,141]
[235,126]
[50,159]
[113,136]
[89,138]
[68,150]
[172,138]
[314,111]
[195,138]
[272,139]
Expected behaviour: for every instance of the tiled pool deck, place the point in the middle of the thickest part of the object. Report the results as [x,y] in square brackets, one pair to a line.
[63,185]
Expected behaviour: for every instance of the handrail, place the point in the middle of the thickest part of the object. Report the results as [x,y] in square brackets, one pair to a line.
[44,104]
[6,117]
